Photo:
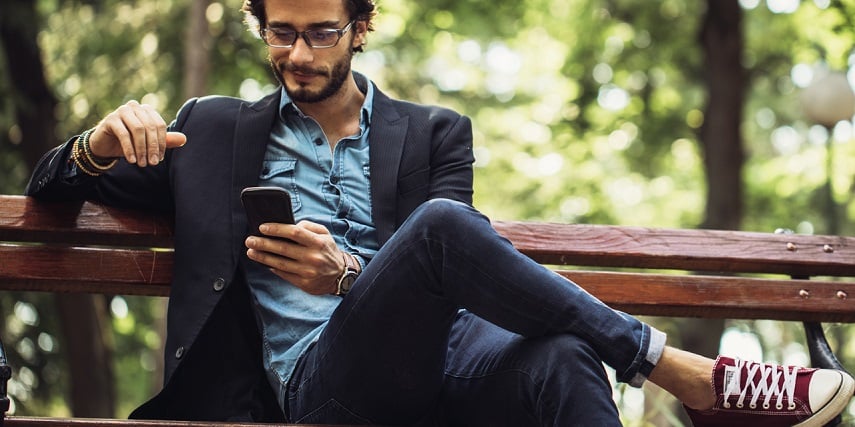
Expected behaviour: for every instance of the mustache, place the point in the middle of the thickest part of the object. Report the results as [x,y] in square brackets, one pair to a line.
[291,68]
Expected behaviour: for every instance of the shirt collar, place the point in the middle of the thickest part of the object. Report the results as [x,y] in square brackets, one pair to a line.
[364,85]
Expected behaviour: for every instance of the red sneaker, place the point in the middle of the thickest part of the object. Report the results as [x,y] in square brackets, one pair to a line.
[765,395]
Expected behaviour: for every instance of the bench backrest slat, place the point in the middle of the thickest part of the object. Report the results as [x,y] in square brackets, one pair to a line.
[23,219]
[694,250]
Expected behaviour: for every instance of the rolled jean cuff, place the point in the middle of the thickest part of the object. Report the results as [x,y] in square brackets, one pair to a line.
[651,358]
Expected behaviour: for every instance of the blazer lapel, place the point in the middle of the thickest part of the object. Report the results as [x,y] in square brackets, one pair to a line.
[386,146]
[252,132]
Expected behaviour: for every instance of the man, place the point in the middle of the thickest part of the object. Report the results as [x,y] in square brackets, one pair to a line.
[274,327]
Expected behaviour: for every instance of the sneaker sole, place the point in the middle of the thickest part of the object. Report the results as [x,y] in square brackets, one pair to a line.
[835,405]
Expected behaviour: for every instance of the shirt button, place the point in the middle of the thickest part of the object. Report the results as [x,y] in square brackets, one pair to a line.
[180,352]
[219,284]
[319,141]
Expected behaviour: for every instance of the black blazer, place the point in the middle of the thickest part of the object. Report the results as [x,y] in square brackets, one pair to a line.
[417,153]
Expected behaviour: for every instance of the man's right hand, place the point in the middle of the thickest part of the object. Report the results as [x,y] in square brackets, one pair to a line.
[136,132]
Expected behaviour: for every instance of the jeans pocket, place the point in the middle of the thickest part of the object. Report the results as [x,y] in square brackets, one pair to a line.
[331,412]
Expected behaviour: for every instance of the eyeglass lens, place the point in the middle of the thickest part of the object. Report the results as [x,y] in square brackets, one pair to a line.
[281,37]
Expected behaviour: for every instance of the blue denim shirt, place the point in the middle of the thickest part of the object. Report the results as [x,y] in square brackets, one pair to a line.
[328,187]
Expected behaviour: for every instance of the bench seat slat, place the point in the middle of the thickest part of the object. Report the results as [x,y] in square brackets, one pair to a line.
[134,272]
[720,297]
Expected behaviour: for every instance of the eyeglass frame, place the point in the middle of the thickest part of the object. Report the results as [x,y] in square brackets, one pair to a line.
[304,35]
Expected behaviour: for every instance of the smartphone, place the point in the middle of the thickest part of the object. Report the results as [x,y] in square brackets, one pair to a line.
[266,204]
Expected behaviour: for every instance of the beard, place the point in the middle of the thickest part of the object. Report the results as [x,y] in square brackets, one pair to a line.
[335,78]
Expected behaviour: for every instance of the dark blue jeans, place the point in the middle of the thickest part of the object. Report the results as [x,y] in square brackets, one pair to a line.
[527,350]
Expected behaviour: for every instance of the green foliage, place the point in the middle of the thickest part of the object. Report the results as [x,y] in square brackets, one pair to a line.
[543,139]
[30,335]
[138,329]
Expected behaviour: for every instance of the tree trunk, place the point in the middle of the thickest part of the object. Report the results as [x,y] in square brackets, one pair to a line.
[32,99]
[85,324]
[197,47]
[722,43]
[721,137]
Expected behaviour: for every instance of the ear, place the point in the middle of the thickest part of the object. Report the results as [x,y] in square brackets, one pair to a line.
[360,34]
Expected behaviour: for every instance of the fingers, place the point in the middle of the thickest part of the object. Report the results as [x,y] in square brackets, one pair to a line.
[155,135]
[270,253]
[310,260]
[142,144]
[310,270]
[136,132]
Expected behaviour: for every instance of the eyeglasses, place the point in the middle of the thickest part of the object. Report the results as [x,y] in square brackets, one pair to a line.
[318,39]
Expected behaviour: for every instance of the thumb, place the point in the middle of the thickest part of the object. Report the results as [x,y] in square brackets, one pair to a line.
[175,139]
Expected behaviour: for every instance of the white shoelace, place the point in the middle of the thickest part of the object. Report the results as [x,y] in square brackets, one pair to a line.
[757,384]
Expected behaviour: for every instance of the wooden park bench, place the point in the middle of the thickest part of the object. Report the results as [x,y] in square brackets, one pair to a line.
[644,271]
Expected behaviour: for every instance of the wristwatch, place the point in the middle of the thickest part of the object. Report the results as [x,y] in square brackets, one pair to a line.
[348,276]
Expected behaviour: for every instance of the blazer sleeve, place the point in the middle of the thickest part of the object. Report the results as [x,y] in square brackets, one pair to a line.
[451,162]
[126,185]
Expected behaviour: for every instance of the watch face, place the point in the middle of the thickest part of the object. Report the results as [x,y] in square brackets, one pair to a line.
[347,281]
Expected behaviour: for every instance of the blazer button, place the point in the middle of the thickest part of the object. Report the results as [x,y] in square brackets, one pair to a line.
[180,352]
[219,284]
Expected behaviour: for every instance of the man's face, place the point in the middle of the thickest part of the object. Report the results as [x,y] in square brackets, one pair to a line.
[312,74]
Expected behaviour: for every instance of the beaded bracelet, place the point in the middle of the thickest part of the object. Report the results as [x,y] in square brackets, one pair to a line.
[82,155]
[79,158]
[91,158]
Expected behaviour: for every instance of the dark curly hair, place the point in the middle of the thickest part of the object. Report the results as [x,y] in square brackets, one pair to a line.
[357,10]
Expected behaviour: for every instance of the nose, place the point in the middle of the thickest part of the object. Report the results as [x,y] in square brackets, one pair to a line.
[301,52]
